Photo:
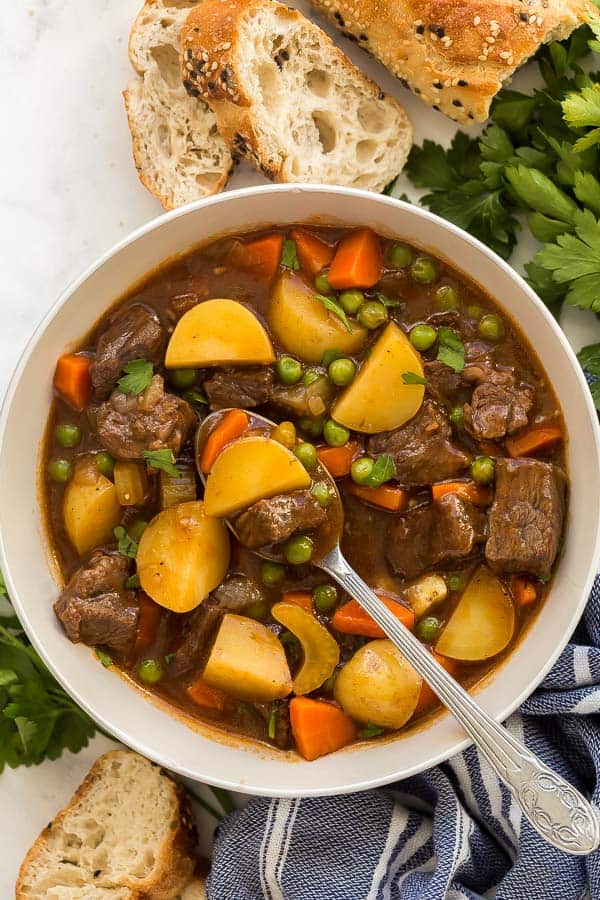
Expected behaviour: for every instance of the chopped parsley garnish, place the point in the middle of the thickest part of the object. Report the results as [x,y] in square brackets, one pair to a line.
[383,469]
[451,349]
[126,545]
[336,309]
[162,459]
[104,658]
[370,731]
[413,378]
[138,377]
[289,256]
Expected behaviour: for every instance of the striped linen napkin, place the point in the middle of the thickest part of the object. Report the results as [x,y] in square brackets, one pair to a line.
[452,832]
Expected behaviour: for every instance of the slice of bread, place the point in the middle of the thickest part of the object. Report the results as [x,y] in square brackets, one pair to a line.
[126,834]
[287,98]
[178,152]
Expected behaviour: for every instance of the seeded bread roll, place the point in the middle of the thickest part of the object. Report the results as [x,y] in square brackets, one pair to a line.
[288,99]
[178,152]
[455,55]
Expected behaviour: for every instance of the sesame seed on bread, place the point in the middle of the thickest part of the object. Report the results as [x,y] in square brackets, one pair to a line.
[455,55]
[288,99]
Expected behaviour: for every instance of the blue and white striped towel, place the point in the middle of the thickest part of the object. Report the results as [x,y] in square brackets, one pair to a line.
[452,832]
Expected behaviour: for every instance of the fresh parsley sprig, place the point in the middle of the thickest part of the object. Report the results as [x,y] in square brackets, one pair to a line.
[335,308]
[162,459]
[138,376]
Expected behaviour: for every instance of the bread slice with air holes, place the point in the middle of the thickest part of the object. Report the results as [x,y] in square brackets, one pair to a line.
[178,152]
[126,834]
[288,99]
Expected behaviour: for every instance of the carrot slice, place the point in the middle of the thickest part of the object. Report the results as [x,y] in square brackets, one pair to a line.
[300,598]
[260,257]
[387,497]
[209,697]
[357,261]
[72,380]
[524,590]
[477,494]
[536,438]
[428,697]
[148,621]
[338,459]
[313,253]
[319,727]
[351,618]
[229,428]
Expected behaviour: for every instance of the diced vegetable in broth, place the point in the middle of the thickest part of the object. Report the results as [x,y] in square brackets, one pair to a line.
[482,624]
[177,490]
[90,507]
[131,482]
[248,661]
[219,332]
[320,649]
[182,555]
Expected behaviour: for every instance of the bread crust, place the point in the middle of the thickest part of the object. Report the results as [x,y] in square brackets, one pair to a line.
[210,44]
[455,55]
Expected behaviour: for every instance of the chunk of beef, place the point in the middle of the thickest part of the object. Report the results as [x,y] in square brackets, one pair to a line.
[135,333]
[237,592]
[444,385]
[499,406]
[198,631]
[526,518]
[96,608]
[274,520]
[154,420]
[245,388]
[422,450]
[428,536]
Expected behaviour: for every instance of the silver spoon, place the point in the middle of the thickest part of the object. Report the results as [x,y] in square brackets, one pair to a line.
[558,812]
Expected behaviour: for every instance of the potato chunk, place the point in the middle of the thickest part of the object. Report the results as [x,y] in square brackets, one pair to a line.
[248,661]
[219,332]
[320,649]
[378,685]
[183,554]
[378,399]
[251,469]
[482,624]
[304,326]
[90,507]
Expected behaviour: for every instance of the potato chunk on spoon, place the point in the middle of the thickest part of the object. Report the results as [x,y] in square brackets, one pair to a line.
[559,813]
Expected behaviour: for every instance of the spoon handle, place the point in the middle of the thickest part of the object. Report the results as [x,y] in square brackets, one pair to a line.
[558,812]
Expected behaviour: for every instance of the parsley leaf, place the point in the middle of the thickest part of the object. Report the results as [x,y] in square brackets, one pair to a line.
[537,191]
[581,109]
[138,377]
[589,358]
[336,309]
[574,259]
[451,350]
[127,546]
[383,469]
[413,378]
[104,658]
[272,725]
[370,730]
[388,302]
[389,188]
[289,256]
[196,396]
[162,459]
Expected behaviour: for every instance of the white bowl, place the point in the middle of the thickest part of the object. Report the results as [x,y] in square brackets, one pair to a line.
[124,711]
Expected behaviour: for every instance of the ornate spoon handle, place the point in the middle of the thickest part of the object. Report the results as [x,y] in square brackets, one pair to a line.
[558,812]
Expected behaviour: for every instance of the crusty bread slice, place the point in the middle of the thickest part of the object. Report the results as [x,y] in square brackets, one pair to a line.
[287,98]
[127,833]
[178,152]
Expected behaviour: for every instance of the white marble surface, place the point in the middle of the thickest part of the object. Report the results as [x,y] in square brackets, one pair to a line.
[68,191]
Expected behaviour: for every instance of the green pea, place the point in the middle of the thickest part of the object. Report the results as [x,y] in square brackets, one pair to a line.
[150,671]
[322,283]
[67,435]
[136,529]
[427,629]
[400,256]
[457,416]
[474,311]
[351,301]
[335,435]
[105,463]
[307,454]
[320,492]
[422,337]
[325,597]
[299,550]
[482,469]
[183,378]
[258,610]
[446,298]
[491,328]
[60,470]
[289,370]
[424,270]
[272,573]
[372,314]
[310,376]
[311,427]
[361,469]
[454,582]
[342,371]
